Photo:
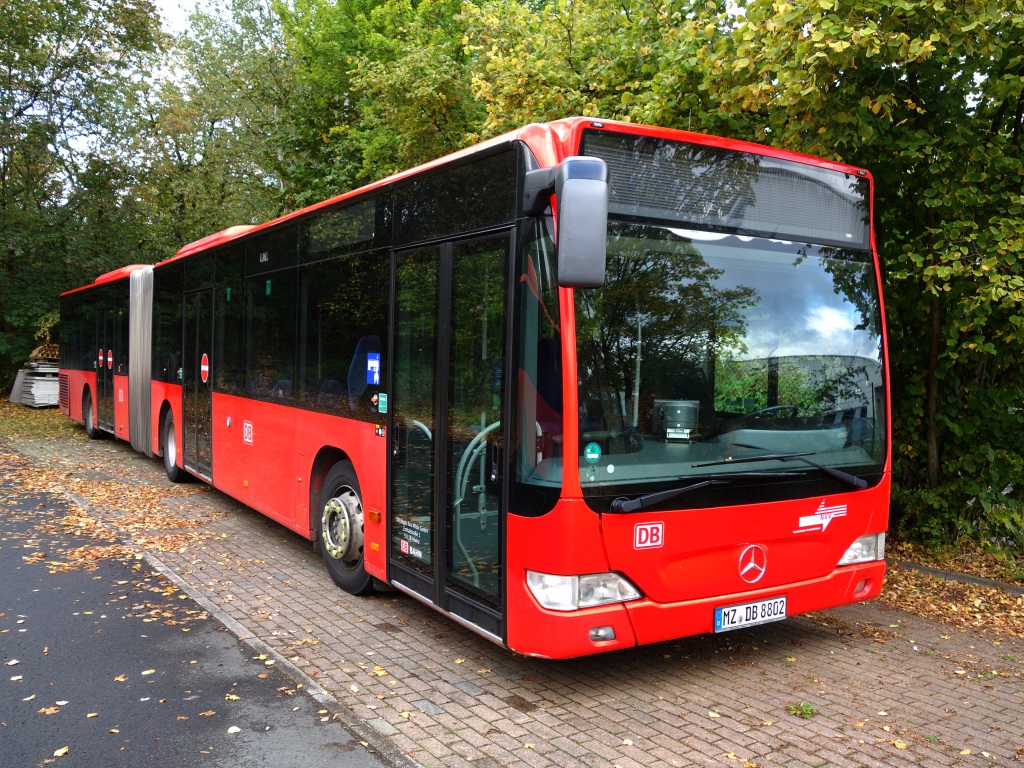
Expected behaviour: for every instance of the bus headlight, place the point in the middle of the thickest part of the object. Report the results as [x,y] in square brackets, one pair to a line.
[570,593]
[865,549]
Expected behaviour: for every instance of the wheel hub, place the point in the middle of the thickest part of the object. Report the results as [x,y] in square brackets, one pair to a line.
[341,526]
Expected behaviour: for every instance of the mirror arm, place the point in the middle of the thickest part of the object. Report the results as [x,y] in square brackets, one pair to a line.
[538,187]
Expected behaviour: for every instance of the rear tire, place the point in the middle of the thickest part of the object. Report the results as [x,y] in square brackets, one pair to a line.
[341,530]
[170,449]
[91,429]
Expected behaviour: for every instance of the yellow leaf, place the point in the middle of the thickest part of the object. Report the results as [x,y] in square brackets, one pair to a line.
[61,752]
[148,671]
[93,714]
[379,671]
[232,697]
[899,744]
[713,714]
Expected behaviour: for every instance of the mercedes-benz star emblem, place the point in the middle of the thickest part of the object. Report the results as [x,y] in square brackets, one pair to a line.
[753,561]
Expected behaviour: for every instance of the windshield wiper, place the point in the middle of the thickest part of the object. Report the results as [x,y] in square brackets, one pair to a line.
[621,505]
[838,474]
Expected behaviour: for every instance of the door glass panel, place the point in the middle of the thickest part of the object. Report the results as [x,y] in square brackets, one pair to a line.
[414,421]
[197,383]
[204,383]
[475,407]
[105,372]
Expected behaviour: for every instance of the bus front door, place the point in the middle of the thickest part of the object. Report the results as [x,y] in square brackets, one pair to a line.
[197,384]
[447,433]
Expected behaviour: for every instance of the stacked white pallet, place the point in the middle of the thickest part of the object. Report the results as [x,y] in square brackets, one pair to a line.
[37,385]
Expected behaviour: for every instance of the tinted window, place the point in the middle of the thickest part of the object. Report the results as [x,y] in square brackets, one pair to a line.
[343,326]
[726,190]
[356,227]
[272,251]
[270,333]
[469,197]
[229,306]
[167,285]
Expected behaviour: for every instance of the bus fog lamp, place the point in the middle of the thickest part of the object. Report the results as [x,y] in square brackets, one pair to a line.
[865,549]
[570,593]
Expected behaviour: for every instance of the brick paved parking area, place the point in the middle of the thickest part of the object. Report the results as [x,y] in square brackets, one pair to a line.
[857,686]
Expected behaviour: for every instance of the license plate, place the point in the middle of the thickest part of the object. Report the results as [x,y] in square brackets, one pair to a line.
[749,614]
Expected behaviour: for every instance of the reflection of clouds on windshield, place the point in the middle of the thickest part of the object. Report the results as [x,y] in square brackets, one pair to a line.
[798,310]
[832,324]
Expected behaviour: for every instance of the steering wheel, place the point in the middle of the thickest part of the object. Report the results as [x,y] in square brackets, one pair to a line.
[772,410]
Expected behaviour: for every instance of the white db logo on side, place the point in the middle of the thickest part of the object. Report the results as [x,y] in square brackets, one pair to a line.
[648,535]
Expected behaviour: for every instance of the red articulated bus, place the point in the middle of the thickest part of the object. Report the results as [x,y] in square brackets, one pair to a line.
[581,387]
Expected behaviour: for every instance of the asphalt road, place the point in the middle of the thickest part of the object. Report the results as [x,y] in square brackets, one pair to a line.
[113,666]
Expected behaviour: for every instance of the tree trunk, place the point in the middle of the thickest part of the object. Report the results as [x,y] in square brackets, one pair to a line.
[932,393]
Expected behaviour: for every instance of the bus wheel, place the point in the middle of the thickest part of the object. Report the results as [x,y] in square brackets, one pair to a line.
[341,530]
[90,422]
[170,448]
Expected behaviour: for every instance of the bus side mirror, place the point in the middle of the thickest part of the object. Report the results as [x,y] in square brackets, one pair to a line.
[580,185]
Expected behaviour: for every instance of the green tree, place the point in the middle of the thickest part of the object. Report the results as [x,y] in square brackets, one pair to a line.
[208,138]
[66,70]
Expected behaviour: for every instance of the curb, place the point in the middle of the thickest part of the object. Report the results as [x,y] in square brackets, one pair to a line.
[959,578]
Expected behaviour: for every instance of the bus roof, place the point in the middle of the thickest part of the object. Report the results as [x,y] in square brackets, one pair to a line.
[550,142]
[110,277]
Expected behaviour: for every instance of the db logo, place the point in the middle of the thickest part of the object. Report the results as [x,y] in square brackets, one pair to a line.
[648,535]
[247,432]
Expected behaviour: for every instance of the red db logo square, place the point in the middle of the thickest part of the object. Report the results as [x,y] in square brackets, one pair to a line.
[648,535]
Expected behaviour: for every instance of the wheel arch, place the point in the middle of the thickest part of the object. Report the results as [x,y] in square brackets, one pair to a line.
[325,459]
[86,393]
[165,406]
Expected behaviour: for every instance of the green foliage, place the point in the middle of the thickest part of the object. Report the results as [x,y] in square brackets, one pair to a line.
[802,709]
[66,71]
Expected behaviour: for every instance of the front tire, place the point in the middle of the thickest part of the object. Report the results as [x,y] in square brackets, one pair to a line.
[170,450]
[341,530]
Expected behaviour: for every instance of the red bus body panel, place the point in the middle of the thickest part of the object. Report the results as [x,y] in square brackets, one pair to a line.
[693,572]
[121,394]
[696,554]
[78,381]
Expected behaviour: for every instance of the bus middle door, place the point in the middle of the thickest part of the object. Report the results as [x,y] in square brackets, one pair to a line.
[197,384]
[105,369]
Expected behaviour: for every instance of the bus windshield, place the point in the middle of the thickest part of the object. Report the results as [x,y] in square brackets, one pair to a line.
[705,348]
